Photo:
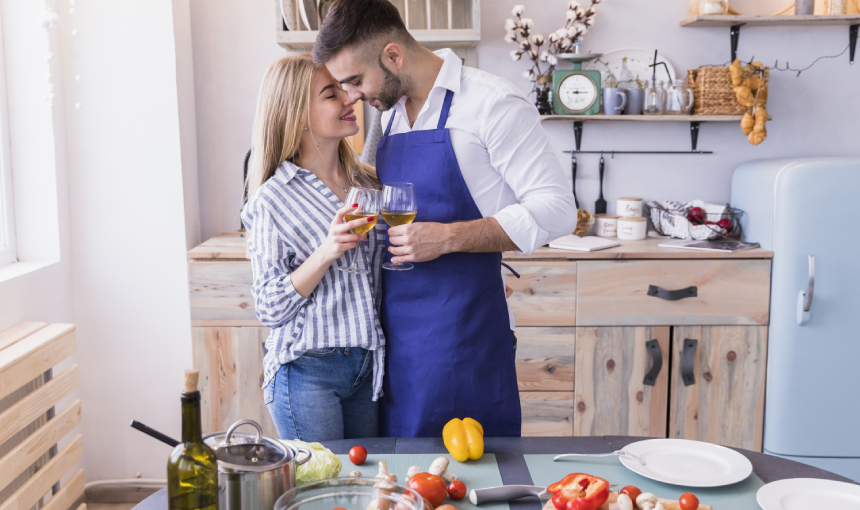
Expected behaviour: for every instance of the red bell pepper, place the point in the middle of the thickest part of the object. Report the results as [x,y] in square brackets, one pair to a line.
[579,491]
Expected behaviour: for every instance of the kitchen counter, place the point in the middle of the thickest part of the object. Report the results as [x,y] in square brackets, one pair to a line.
[233,246]
[509,453]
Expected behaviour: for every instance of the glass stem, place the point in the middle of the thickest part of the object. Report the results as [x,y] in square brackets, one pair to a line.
[355,254]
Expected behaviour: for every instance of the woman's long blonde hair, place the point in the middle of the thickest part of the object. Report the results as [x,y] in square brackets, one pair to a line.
[282,113]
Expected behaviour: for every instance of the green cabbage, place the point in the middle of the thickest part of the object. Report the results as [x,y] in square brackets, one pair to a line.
[324,464]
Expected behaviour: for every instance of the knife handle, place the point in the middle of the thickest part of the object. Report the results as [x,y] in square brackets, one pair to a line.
[504,493]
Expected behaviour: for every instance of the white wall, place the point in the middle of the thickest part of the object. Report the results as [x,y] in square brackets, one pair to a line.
[815,114]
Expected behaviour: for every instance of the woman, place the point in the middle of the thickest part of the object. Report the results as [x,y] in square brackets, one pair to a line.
[324,355]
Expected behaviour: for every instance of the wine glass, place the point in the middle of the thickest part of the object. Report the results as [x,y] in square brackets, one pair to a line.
[368,207]
[399,207]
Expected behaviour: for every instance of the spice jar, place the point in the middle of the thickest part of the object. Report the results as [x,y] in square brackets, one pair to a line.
[713,7]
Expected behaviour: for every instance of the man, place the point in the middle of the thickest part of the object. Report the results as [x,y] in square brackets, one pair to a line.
[486,181]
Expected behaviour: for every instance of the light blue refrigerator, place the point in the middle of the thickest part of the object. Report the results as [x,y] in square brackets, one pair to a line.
[807,211]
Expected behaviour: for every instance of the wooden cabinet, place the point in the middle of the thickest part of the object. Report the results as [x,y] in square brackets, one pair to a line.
[723,399]
[612,394]
[544,294]
[545,360]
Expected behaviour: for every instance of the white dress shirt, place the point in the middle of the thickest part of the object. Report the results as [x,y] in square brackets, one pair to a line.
[503,152]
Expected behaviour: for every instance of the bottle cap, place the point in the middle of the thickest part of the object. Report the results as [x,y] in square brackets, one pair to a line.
[189,380]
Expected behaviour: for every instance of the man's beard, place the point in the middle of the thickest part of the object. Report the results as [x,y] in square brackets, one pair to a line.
[393,88]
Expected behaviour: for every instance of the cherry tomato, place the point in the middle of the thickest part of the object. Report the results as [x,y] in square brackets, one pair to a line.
[429,486]
[689,501]
[631,491]
[357,455]
[457,490]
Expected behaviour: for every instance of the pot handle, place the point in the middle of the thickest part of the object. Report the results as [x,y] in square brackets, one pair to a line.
[229,436]
[309,455]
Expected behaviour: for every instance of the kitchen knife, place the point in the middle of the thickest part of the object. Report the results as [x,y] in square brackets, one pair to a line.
[505,493]
[600,204]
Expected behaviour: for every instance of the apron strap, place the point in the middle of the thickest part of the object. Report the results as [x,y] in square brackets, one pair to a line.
[446,105]
[390,122]
[511,270]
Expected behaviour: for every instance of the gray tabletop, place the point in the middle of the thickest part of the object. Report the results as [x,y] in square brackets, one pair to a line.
[512,465]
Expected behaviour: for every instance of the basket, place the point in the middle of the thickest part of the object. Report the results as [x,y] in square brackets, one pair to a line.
[674,222]
[713,93]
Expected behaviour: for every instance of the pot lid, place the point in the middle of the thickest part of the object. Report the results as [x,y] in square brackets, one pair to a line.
[237,452]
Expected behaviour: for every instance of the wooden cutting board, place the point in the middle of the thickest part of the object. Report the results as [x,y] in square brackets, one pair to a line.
[669,504]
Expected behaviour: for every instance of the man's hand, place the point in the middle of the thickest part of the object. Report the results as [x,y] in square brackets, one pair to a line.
[417,242]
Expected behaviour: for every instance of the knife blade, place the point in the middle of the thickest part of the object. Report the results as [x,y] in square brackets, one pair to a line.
[509,493]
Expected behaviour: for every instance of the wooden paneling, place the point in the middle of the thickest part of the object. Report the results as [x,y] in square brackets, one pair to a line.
[19,332]
[735,292]
[545,294]
[545,359]
[69,494]
[221,291]
[611,398]
[30,408]
[29,450]
[547,413]
[726,404]
[232,245]
[230,361]
[36,487]
[32,356]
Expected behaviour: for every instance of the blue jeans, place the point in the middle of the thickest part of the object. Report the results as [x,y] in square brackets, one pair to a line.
[324,395]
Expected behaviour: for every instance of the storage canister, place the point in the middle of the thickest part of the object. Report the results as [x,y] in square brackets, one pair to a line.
[632,228]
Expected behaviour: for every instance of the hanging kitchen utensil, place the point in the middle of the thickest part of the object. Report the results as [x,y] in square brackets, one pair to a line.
[600,204]
[573,171]
[151,432]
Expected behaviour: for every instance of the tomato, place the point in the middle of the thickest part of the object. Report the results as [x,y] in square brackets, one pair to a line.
[559,501]
[457,490]
[689,501]
[429,486]
[357,455]
[631,491]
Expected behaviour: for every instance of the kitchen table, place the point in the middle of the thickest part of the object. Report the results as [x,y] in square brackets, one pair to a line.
[509,453]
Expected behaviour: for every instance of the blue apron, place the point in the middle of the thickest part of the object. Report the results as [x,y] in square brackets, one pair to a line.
[448,337]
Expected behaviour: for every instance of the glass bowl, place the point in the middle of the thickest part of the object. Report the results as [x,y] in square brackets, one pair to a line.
[350,494]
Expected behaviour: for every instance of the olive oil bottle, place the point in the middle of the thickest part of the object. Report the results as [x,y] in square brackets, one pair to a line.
[192,470]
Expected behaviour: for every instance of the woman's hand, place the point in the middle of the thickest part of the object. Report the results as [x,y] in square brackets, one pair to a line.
[339,239]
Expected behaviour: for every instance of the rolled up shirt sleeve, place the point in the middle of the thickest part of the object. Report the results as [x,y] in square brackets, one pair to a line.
[520,151]
[276,300]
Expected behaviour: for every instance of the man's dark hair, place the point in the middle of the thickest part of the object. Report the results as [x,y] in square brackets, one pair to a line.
[355,22]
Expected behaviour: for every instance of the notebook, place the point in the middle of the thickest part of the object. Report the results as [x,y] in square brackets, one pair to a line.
[588,243]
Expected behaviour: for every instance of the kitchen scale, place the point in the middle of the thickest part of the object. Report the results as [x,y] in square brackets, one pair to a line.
[576,91]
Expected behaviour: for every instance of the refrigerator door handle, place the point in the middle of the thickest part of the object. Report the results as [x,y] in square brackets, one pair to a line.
[804,298]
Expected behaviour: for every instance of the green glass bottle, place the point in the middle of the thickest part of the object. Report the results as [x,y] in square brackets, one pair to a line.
[192,470]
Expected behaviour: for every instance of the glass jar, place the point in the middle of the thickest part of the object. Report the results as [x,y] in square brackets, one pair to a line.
[655,98]
[679,98]
[836,7]
[713,7]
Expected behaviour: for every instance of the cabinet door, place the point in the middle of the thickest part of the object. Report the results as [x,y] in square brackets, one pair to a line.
[545,377]
[230,361]
[545,293]
[725,403]
[611,397]
[547,413]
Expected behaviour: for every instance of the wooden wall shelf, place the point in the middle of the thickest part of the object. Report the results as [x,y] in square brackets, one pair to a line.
[464,37]
[770,21]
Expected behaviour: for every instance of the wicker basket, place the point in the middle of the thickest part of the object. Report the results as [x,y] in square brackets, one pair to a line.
[713,93]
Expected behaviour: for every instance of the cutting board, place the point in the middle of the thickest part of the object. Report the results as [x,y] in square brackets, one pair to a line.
[669,505]
[476,474]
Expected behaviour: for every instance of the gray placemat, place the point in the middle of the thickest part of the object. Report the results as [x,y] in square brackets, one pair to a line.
[738,496]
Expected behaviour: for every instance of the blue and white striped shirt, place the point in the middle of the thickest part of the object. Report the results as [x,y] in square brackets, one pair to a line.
[287,219]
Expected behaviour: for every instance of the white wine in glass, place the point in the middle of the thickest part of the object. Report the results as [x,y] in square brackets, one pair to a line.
[368,201]
[399,207]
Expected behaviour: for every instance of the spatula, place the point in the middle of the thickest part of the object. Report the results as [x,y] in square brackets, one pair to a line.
[600,204]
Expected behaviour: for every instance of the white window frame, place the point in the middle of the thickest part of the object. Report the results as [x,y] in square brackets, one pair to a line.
[8,253]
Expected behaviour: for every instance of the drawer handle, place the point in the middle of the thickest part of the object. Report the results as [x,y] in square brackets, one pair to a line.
[653,347]
[672,295]
[688,362]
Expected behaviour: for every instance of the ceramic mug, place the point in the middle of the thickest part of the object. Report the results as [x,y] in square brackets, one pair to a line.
[635,101]
[628,206]
[606,225]
[612,105]
[632,228]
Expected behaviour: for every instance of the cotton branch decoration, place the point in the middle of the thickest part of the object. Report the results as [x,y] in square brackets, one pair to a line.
[563,40]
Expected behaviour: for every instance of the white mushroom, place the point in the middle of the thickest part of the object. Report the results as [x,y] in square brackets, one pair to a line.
[646,501]
[440,468]
[659,506]
[624,502]
[354,474]
[414,470]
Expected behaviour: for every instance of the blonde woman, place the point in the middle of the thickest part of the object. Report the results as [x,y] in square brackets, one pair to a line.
[324,355]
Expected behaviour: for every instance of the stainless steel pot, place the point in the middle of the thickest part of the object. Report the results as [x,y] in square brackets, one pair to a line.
[253,471]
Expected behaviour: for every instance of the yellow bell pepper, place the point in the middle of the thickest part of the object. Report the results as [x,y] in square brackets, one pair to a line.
[464,439]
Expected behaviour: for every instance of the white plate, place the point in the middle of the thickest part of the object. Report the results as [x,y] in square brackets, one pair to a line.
[288,11]
[688,463]
[638,61]
[310,16]
[761,7]
[807,494]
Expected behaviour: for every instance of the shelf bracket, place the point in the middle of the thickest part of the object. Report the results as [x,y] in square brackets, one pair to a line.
[577,133]
[694,134]
[735,33]
[852,42]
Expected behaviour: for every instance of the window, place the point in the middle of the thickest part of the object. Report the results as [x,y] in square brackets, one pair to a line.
[7,217]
